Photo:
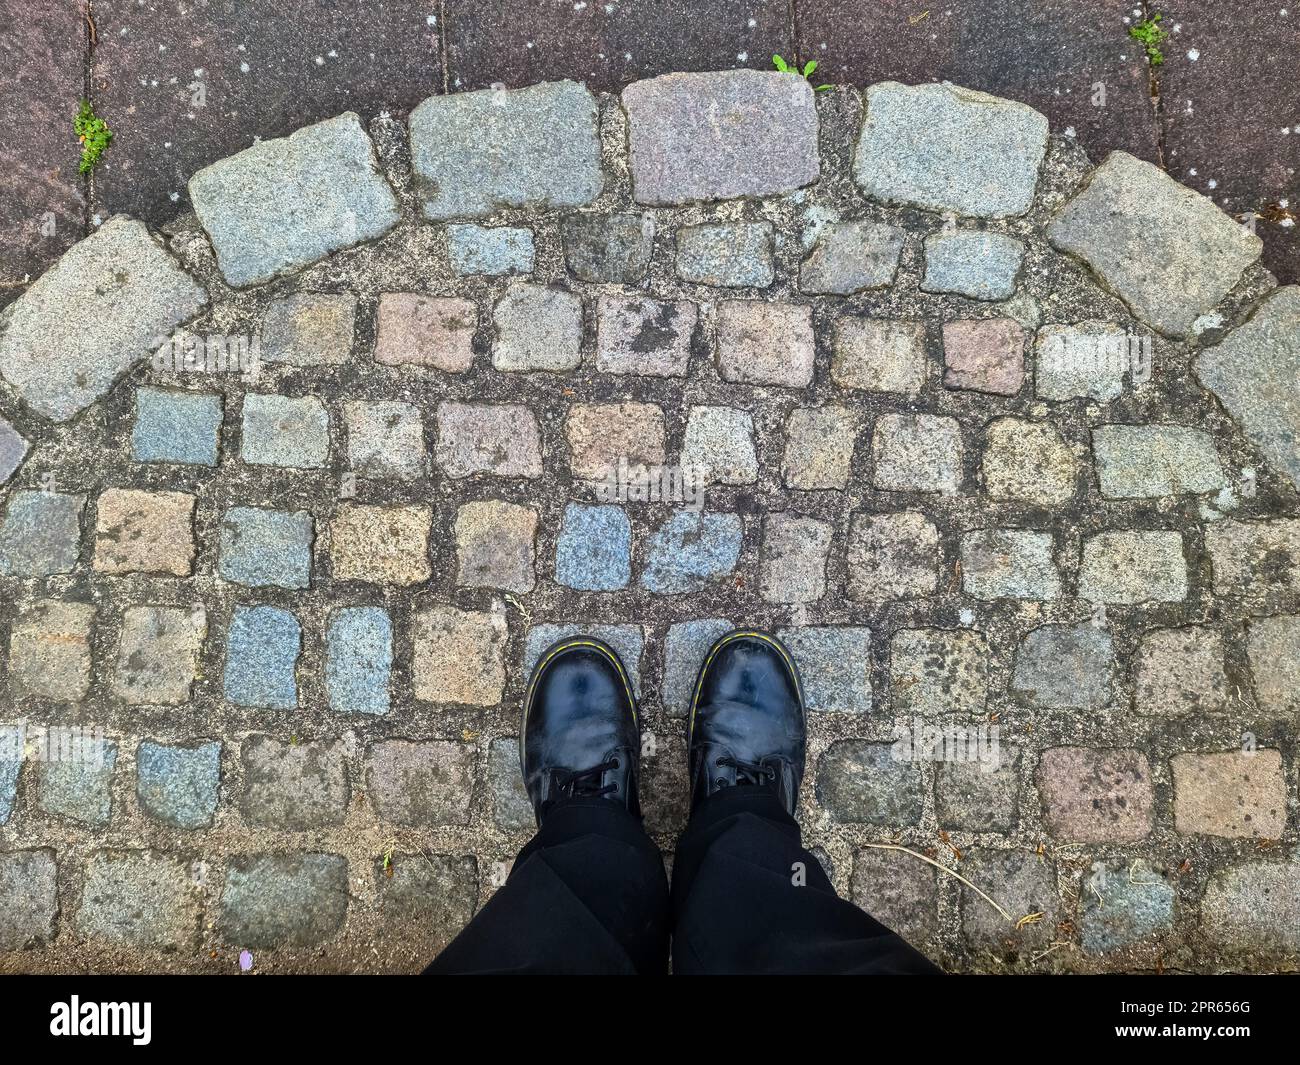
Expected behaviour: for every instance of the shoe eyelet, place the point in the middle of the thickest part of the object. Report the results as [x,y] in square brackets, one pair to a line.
[615,763]
[718,763]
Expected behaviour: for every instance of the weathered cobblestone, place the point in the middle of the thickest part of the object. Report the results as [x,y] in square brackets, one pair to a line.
[1274,648]
[13,449]
[594,549]
[285,431]
[459,656]
[77,785]
[283,900]
[601,435]
[986,167]
[1028,461]
[512,810]
[835,664]
[685,646]
[144,532]
[380,545]
[979,795]
[500,439]
[1254,907]
[916,453]
[1133,566]
[421,784]
[49,650]
[710,136]
[795,550]
[984,355]
[969,262]
[266,548]
[293,785]
[140,899]
[41,534]
[1124,905]
[689,550]
[876,355]
[158,656]
[608,248]
[638,335]
[476,152]
[174,426]
[13,739]
[1180,671]
[386,440]
[1130,207]
[1254,558]
[934,672]
[892,556]
[493,250]
[819,446]
[436,332]
[850,257]
[1096,796]
[728,256]
[1009,564]
[178,785]
[765,343]
[720,444]
[262,648]
[1147,461]
[29,892]
[1234,793]
[899,890]
[538,328]
[1062,667]
[97,312]
[1026,885]
[496,546]
[864,783]
[427,898]
[359,660]
[1253,373]
[323,177]
[310,328]
[1077,361]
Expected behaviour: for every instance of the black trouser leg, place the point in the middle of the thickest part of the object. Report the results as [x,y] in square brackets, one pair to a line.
[587,895]
[738,906]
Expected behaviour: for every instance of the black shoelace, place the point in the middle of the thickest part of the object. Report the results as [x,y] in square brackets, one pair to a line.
[584,783]
[755,773]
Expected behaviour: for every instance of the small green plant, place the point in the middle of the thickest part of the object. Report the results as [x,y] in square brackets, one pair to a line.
[808,69]
[1150,36]
[93,133]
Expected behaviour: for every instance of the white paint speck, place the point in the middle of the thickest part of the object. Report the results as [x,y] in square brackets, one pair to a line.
[431,20]
[742,57]
[173,196]
[1069,131]
[1193,54]
[1211,184]
[752,23]
[243,68]
[1287,223]
[332,54]
[580,5]
[1192,172]
[320,60]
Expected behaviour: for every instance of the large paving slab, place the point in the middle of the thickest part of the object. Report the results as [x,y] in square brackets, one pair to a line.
[42,195]
[607,45]
[1044,604]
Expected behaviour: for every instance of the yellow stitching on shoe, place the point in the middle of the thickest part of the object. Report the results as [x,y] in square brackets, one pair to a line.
[540,668]
[738,634]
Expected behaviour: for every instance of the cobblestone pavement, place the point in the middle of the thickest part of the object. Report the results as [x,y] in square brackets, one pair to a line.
[1003,444]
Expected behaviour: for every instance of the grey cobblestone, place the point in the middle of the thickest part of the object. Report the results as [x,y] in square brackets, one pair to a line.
[849,257]
[293,785]
[1009,564]
[29,892]
[310,328]
[835,664]
[864,783]
[892,556]
[78,787]
[1063,667]
[728,256]
[1133,566]
[608,248]
[638,335]
[879,355]
[158,655]
[493,250]
[285,431]
[41,534]
[139,899]
[538,328]
[916,453]
[278,900]
[178,785]
[765,343]
[1274,648]
[266,548]
[968,262]
[435,332]
[935,672]
[421,784]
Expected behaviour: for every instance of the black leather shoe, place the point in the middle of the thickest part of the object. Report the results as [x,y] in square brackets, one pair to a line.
[747,719]
[580,736]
